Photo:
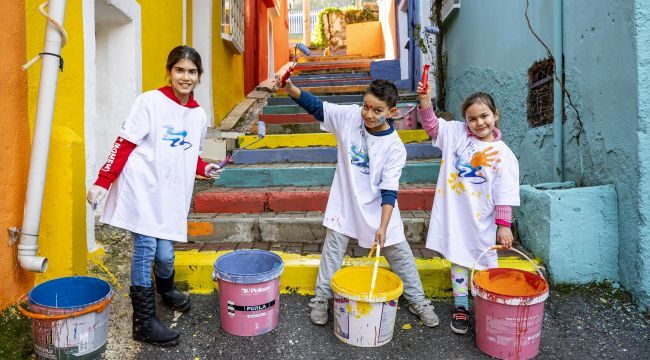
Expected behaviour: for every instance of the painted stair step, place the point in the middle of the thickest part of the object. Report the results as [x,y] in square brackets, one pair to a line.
[300,271]
[348,89]
[295,128]
[258,200]
[339,65]
[316,175]
[294,227]
[335,99]
[296,109]
[314,83]
[321,154]
[330,76]
[319,139]
[281,119]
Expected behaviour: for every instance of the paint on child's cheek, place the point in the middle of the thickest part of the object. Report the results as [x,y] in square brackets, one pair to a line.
[381,120]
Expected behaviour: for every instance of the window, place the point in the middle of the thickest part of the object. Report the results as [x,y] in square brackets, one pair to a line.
[232,24]
[540,93]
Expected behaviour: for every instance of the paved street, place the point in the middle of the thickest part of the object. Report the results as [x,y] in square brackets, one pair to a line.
[583,323]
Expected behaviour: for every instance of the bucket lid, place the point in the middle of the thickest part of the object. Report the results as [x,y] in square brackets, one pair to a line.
[248,267]
[70,292]
[354,283]
[510,286]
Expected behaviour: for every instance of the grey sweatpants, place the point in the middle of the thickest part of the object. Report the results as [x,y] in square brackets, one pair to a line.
[399,256]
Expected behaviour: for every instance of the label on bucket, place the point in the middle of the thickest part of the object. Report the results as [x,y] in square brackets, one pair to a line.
[232,308]
[342,323]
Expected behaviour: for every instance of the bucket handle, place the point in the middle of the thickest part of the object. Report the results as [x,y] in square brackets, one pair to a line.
[96,307]
[500,247]
[374,271]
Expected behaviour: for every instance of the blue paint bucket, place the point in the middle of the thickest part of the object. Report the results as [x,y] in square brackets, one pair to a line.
[249,291]
[69,317]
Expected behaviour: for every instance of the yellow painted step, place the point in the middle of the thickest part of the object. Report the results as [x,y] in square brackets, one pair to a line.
[300,271]
[317,139]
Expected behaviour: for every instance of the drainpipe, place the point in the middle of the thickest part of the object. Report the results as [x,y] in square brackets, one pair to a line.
[558,141]
[41,143]
[184,22]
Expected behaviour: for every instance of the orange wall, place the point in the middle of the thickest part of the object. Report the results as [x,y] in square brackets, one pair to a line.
[365,38]
[15,149]
[281,37]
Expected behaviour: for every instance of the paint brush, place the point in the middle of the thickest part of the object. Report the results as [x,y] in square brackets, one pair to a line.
[303,49]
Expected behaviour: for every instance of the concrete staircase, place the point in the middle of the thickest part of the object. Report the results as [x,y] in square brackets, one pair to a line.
[274,195]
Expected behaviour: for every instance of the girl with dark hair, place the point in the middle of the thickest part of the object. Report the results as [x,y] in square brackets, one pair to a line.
[477,185]
[150,194]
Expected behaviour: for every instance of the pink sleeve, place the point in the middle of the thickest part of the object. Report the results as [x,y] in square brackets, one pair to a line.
[503,215]
[429,121]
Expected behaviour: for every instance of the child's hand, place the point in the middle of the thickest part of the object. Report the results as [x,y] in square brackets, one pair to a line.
[504,237]
[380,236]
[213,171]
[278,83]
[95,196]
[424,95]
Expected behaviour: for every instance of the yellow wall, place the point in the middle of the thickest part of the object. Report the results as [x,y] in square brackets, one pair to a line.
[62,234]
[365,38]
[15,150]
[162,30]
[227,71]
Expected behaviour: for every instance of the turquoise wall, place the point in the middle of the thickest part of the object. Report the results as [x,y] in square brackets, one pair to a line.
[490,48]
[642,30]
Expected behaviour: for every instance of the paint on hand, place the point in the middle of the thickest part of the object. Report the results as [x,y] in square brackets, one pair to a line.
[510,282]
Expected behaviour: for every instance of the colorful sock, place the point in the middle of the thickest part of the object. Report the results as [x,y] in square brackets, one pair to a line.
[459,277]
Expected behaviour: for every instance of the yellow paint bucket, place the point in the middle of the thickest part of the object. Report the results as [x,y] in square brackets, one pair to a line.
[359,319]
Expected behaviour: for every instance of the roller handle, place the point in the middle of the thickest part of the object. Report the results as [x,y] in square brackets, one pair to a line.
[287,74]
[226,161]
[425,78]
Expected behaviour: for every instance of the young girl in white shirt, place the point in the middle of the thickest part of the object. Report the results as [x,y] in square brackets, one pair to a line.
[150,194]
[477,185]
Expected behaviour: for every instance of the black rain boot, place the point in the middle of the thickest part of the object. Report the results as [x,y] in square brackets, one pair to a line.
[170,295]
[146,326]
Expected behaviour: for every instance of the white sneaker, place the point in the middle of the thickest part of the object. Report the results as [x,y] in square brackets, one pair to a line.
[424,310]
[319,314]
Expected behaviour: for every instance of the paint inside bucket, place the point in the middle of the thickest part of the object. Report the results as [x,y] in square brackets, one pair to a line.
[511,282]
[70,317]
[249,291]
[509,307]
[358,319]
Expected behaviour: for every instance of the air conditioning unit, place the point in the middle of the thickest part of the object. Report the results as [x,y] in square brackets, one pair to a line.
[449,7]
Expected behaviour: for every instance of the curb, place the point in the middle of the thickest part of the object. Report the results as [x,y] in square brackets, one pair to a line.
[300,271]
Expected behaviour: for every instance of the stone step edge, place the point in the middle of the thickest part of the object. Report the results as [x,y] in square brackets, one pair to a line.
[195,268]
[281,228]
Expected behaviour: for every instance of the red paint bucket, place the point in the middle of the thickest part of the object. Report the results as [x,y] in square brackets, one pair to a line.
[509,308]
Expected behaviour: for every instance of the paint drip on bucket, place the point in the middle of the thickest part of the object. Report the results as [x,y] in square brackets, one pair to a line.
[509,312]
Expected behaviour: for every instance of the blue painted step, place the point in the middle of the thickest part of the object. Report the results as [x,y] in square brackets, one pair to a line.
[320,175]
[337,82]
[329,76]
[321,154]
[336,99]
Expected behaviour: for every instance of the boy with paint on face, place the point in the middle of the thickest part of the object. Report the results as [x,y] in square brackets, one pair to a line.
[363,197]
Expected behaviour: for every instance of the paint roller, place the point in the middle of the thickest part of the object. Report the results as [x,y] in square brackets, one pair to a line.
[303,49]
[261,132]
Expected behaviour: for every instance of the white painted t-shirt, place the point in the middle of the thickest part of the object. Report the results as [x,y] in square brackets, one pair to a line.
[366,164]
[475,176]
[152,194]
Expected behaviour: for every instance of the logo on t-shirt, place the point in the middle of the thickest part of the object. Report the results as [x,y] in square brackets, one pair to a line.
[359,158]
[177,138]
[471,163]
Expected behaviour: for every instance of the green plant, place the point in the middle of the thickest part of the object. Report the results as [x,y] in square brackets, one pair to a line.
[419,40]
[351,15]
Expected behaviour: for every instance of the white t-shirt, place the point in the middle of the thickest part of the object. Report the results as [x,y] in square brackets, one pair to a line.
[474,177]
[366,164]
[152,194]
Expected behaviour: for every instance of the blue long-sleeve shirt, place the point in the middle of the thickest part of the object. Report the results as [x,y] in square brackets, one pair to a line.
[314,106]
